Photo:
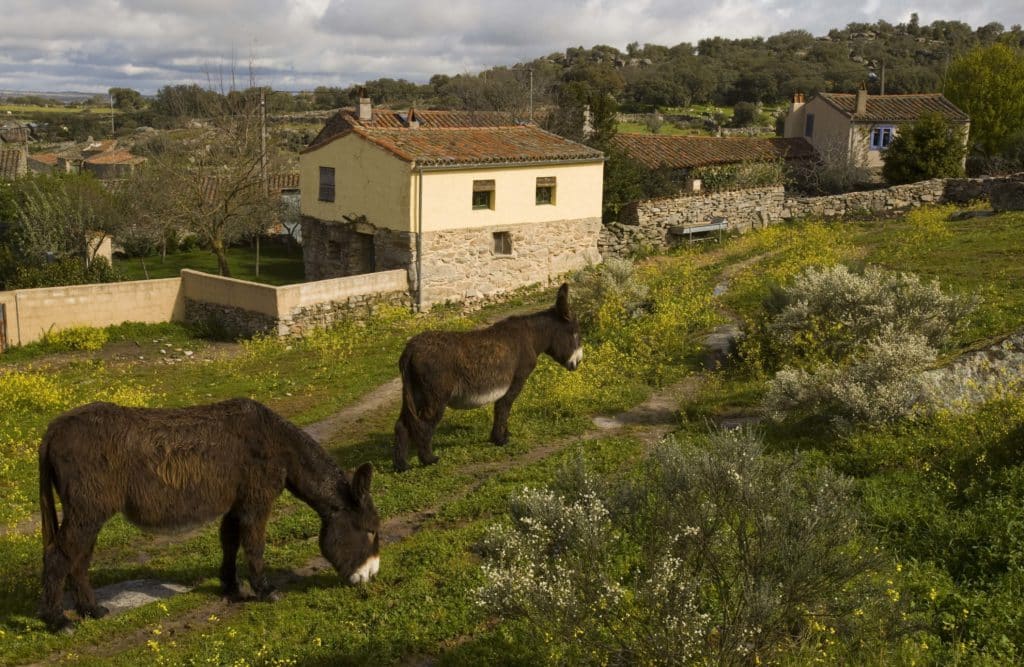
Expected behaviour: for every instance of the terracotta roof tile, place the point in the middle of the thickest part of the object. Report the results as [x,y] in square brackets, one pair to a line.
[346,119]
[896,108]
[115,157]
[683,152]
[478,145]
[12,164]
[49,159]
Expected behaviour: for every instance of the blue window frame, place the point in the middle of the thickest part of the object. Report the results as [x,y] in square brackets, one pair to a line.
[881,137]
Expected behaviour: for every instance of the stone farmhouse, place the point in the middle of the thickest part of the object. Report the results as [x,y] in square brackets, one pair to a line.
[681,155]
[857,128]
[470,204]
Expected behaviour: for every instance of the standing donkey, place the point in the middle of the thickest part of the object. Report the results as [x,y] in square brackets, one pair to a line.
[169,470]
[469,369]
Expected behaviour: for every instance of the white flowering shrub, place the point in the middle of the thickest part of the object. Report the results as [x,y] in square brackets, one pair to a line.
[829,313]
[711,553]
[881,382]
[613,287]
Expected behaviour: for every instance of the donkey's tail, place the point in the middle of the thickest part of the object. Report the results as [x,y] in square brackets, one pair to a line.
[404,367]
[47,506]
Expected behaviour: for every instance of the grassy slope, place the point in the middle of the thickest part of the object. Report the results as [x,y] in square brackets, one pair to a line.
[421,604]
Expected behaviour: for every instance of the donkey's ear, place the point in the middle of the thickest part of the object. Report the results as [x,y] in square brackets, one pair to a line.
[360,484]
[562,302]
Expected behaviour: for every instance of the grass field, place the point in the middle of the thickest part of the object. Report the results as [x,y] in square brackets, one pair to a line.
[279,264]
[941,497]
[14,110]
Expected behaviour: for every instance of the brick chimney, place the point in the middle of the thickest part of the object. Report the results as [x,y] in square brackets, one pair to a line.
[798,101]
[412,121]
[365,109]
[862,100]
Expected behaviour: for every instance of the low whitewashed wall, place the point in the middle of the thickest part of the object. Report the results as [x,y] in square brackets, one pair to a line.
[30,313]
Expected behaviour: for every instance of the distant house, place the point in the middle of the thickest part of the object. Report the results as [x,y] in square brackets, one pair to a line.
[858,128]
[14,133]
[13,163]
[681,155]
[471,204]
[42,163]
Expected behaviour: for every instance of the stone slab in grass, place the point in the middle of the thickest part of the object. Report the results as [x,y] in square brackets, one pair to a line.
[125,595]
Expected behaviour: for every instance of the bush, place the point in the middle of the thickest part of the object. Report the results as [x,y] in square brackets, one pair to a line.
[880,383]
[929,148]
[65,271]
[612,286]
[74,339]
[744,114]
[827,314]
[717,553]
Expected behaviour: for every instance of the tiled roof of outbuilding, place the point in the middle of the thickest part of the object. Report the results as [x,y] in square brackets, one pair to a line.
[12,164]
[896,108]
[457,146]
[685,152]
[115,157]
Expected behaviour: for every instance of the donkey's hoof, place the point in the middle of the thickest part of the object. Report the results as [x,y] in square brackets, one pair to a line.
[95,611]
[429,460]
[270,596]
[401,466]
[500,440]
[60,625]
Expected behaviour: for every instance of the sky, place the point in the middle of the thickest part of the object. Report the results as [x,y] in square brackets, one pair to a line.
[93,45]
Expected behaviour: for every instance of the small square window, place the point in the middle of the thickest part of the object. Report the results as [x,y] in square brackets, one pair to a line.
[502,243]
[483,194]
[881,137]
[545,190]
[326,184]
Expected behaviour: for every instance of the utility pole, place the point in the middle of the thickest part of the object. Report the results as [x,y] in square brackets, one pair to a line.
[263,167]
[111,97]
[531,94]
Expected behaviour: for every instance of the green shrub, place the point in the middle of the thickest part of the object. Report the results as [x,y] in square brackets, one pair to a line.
[931,147]
[717,553]
[74,339]
[881,382]
[826,314]
[608,291]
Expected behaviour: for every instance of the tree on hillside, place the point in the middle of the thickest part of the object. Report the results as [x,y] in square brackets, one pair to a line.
[586,105]
[929,148]
[127,99]
[988,84]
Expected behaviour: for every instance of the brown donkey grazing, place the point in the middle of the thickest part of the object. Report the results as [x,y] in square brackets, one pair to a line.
[469,369]
[168,470]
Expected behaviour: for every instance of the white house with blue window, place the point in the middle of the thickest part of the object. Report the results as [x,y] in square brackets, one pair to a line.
[858,127]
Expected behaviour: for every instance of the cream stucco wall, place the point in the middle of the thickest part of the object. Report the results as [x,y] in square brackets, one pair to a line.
[448,196]
[30,313]
[367,179]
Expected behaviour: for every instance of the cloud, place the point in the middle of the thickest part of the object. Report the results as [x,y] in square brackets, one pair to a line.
[91,45]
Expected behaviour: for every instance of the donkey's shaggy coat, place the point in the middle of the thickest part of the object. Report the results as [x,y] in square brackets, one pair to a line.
[468,369]
[172,469]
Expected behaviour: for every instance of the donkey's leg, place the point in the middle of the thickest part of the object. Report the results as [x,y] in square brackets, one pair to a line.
[56,567]
[59,559]
[430,416]
[402,437]
[502,408]
[85,598]
[254,537]
[230,539]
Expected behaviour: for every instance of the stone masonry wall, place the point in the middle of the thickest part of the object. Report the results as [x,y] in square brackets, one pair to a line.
[462,266]
[647,223]
[235,322]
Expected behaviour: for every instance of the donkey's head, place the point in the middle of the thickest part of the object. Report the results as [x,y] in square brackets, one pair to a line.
[566,347]
[349,533]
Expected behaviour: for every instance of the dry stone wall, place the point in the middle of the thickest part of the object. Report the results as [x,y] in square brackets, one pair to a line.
[648,223]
